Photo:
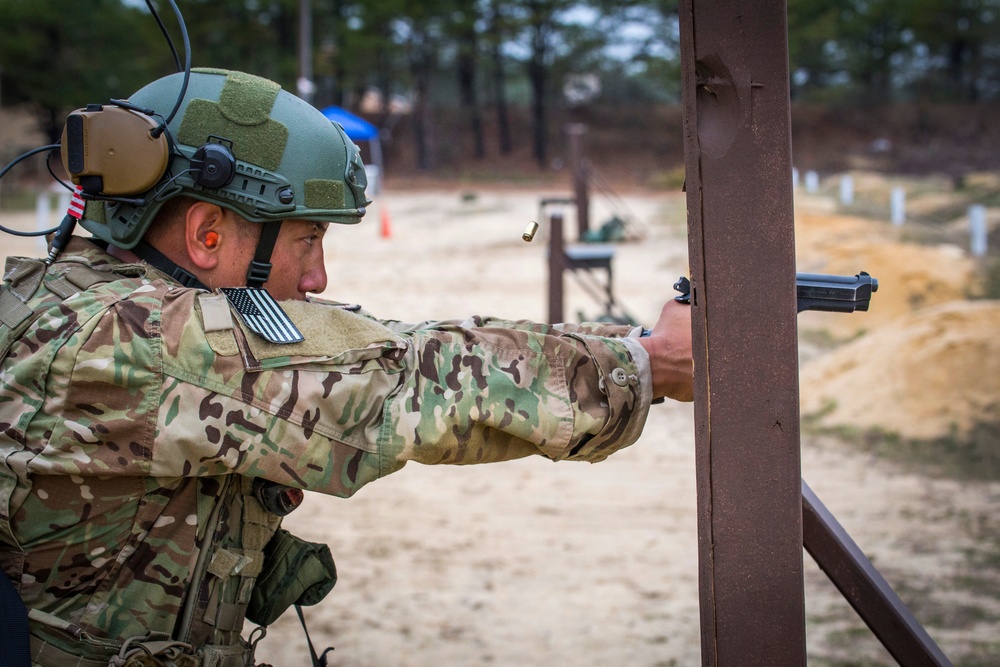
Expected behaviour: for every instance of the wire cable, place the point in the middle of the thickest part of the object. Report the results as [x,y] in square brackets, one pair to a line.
[187,71]
[9,166]
[24,156]
[166,35]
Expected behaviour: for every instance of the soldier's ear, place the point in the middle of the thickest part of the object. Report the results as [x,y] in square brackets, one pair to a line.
[205,235]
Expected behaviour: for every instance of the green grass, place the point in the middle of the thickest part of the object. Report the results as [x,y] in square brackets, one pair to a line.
[974,456]
[667,179]
[990,284]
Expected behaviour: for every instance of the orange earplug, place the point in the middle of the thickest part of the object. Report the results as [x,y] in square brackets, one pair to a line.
[211,239]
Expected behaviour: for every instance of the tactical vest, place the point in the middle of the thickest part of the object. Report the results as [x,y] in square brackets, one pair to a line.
[208,633]
[231,555]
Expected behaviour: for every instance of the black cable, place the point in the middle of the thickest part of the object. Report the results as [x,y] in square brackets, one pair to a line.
[8,167]
[34,151]
[54,175]
[14,232]
[166,35]
[61,238]
[187,71]
[64,229]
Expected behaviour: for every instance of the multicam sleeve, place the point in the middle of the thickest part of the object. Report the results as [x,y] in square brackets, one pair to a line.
[489,393]
[605,329]
[333,416]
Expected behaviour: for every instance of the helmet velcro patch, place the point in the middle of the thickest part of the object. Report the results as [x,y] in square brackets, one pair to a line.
[247,99]
[262,145]
[96,211]
[321,193]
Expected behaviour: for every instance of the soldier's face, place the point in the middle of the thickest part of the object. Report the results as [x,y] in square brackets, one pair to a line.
[297,263]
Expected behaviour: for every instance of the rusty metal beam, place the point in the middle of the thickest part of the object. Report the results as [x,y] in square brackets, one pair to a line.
[557,265]
[865,588]
[737,140]
[581,177]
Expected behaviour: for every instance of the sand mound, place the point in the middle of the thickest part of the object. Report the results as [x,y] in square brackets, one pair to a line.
[910,276]
[931,365]
[932,373]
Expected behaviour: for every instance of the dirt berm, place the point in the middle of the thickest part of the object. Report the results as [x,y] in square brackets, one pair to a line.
[924,361]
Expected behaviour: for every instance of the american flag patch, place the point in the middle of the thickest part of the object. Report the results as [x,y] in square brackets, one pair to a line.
[76,204]
[262,314]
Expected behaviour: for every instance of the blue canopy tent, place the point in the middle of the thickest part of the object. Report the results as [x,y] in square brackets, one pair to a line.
[359,129]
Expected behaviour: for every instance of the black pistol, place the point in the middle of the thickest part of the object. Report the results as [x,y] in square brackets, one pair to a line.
[816,291]
[835,294]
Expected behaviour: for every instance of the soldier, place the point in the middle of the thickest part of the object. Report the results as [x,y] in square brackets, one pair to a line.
[160,412]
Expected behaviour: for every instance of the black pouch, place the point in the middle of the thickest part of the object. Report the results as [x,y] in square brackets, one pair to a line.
[295,572]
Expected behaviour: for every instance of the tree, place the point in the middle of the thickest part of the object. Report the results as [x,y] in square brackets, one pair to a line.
[496,31]
[876,41]
[962,38]
[882,49]
[60,57]
[421,27]
[369,50]
[812,33]
[463,27]
[541,24]
[256,37]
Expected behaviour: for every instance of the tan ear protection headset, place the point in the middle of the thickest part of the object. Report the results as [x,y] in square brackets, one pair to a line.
[121,151]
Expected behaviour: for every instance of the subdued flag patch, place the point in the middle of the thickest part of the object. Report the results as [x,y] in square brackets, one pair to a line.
[262,315]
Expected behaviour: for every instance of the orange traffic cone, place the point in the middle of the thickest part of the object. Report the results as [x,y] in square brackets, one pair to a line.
[386,223]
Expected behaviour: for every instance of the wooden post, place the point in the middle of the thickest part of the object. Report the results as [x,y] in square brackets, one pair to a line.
[557,263]
[737,140]
[578,164]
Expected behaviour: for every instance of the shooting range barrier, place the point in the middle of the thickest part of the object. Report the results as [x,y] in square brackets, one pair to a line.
[587,262]
[755,513]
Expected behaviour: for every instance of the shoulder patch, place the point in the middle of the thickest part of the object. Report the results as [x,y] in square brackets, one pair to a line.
[328,331]
[215,312]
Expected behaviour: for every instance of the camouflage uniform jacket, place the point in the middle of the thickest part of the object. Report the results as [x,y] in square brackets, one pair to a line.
[127,402]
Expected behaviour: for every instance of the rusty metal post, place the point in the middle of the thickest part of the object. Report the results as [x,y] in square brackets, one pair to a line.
[557,264]
[578,165]
[864,587]
[737,141]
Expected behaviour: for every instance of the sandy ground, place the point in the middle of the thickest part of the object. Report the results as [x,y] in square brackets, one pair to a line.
[530,563]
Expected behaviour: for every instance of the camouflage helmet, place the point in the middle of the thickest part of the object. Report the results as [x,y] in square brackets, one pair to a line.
[291,162]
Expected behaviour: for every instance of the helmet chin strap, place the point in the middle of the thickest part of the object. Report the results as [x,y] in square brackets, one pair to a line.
[260,266]
[257,274]
[158,260]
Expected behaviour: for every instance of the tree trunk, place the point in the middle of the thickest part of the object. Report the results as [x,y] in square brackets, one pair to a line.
[52,124]
[499,83]
[420,70]
[537,78]
[467,59]
[383,73]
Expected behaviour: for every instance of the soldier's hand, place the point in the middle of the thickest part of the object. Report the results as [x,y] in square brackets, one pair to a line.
[669,348]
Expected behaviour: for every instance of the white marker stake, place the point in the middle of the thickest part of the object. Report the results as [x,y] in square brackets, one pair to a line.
[812,182]
[897,206]
[977,228]
[846,190]
[43,217]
